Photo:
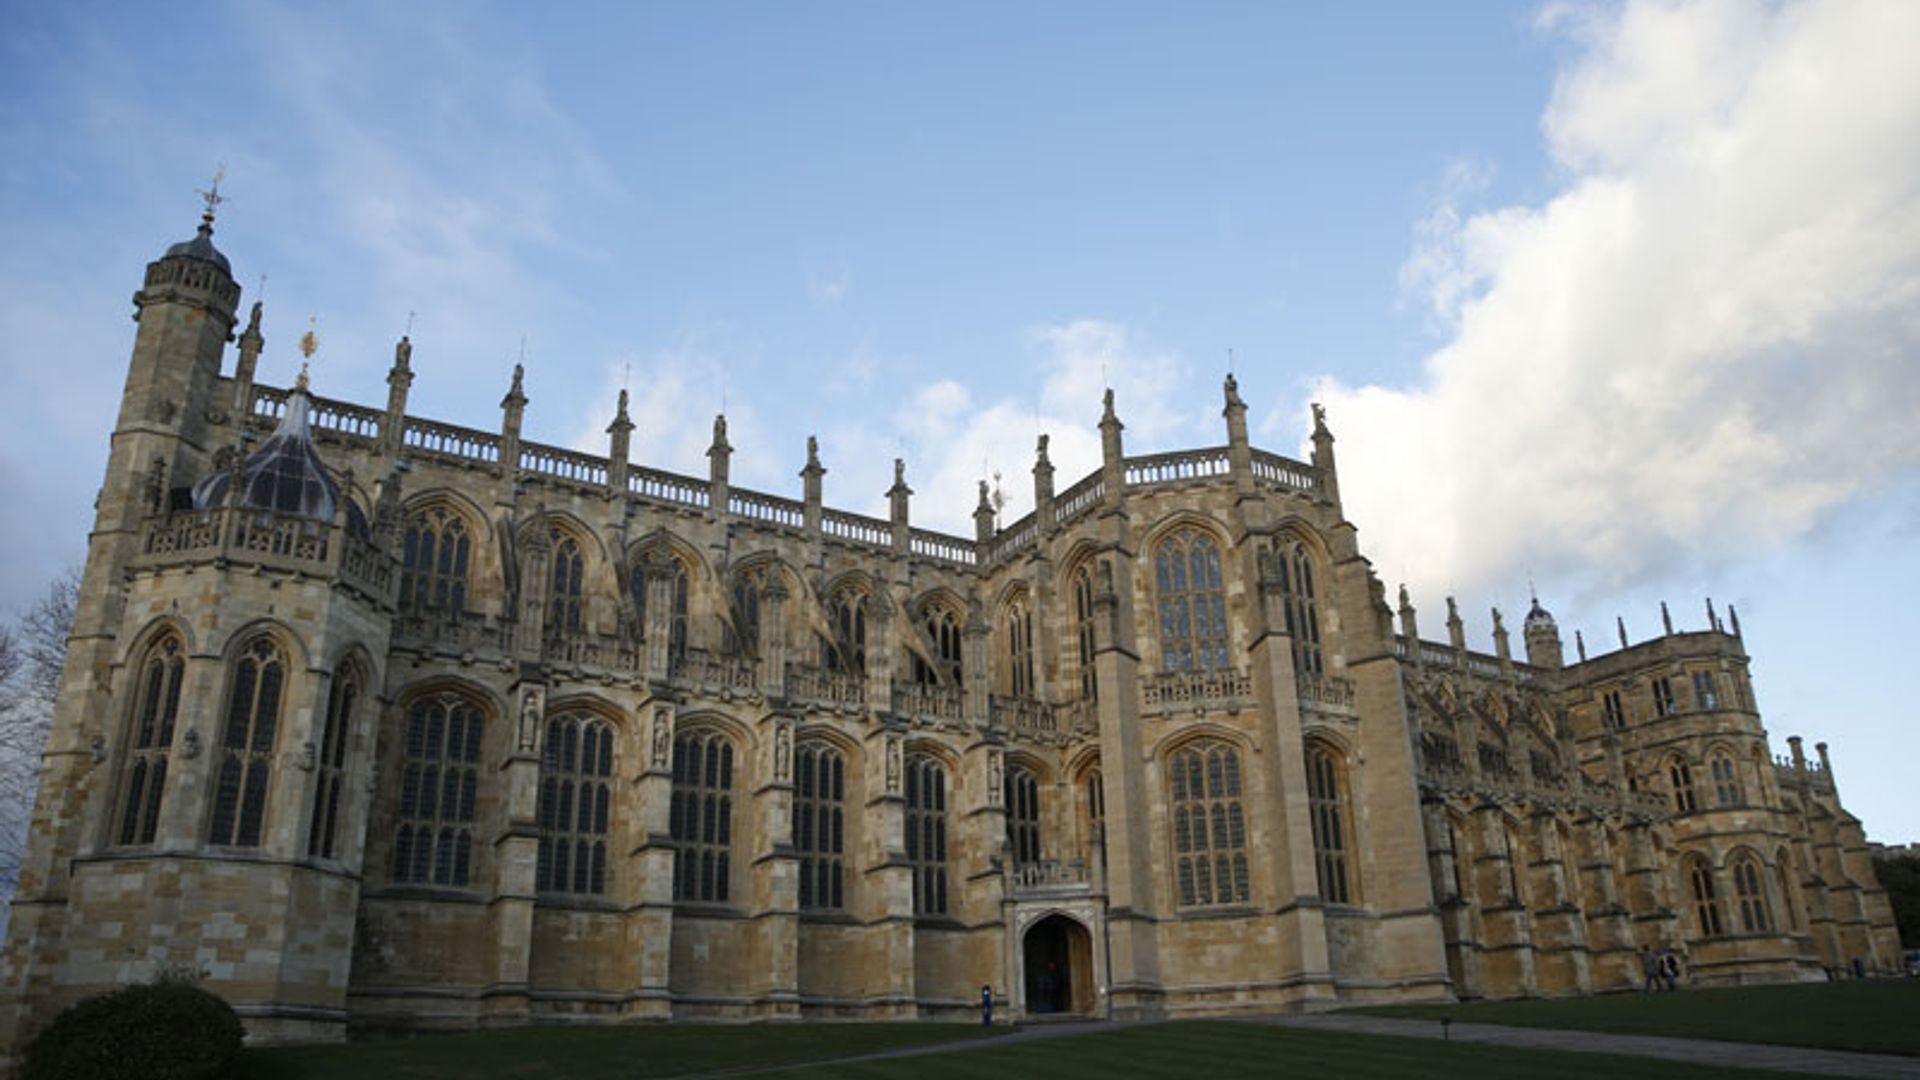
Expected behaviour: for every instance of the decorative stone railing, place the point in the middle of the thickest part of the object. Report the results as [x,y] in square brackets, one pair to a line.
[1014,539]
[462,632]
[1077,500]
[1326,692]
[785,513]
[1185,690]
[1282,472]
[1177,465]
[276,541]
[1435,654]
[669,487]
[594,651]
[856,528]
[1079,716]
[932,545]
[833,689]
[1050,875]
[1024,716]
[926,702]
[448,441]
[1812,776]
[1573,790]
[737,676]
[563,464]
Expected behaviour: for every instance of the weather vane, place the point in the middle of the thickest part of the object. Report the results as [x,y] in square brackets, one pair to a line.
[309,344]
[211,196]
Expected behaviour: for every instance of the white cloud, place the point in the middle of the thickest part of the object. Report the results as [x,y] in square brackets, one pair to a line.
[1701,343]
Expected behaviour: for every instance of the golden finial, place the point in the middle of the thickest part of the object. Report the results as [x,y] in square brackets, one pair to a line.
[212,195]
[309,344]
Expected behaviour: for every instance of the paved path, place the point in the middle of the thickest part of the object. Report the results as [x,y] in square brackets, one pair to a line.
[1052,1029]
[1730,1055]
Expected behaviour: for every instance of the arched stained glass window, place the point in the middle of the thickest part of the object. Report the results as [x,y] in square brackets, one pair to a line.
[439,781]
[701,817]
[743,632]
[927,833]
[1193,604]
[1726,778]
[434,554]
[1209,827]
[1326,805]
[156,707]
[847,653]
[564,595]
[343,696]
[1019,649]
[1706,902]
[1302,608]
[1083,631]
[819,825]
[1749,891]
[1023,815]
[576,791]
[247,744]
[677,590]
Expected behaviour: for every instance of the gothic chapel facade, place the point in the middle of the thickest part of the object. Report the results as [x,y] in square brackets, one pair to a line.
[382,722]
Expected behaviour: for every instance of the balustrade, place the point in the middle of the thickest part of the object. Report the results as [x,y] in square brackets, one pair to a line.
[818,686]
[932,545]
[1282,472]
[1194,689]
[926,702]
[1025,716]
[856,528]
[772,509]
[449,441]
[1177,465]
[1326,691]
[1050,874]
[1080,498]
[563,464]
[705,671]
[669,487]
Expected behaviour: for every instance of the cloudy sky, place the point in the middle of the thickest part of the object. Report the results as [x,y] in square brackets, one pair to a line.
[1621,300]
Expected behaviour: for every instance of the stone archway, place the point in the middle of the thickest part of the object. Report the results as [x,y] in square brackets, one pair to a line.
[1057,958]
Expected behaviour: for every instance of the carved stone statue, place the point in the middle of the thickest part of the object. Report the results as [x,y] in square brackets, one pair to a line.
[662,738]
[529,720]
[894,754]
[995,781]
[782,752]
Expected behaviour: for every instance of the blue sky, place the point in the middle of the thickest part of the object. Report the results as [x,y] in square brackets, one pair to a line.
[1620,298]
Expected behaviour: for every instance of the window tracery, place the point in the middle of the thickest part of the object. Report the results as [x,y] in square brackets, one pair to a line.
[1193,611]
[1749,892]
[1326,803]
[1209,827]
[565,597]
[247,744]
[156,708]
[1023,815]
[434,554]
[927,833]
[439,781]
[576,786]
[676,572]
[1083,631]
[701,816]
[1706,903]
[819,825]
[1302,608]
[331,763]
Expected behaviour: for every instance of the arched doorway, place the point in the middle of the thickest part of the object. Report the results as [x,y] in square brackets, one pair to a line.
[1057,954]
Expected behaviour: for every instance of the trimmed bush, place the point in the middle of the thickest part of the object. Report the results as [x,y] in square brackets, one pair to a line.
[167,1030]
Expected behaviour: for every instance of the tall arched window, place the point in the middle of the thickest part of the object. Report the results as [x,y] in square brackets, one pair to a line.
[677,620]
[1706,903]
[576,788]
[819,825]
[701,818]
[1726,781]
[1749,891]
[1302,608]
[847,653]
[927,834]
[569,582]
[1023,815]
[1789,886]
[247,744]
[1326,805]
[156,707]
[1193,604]
[433,844]
[1511,847]
[1019,649]
[1209,830]
[1083,631]
[331,763]
[942,625]
[1680,779]
[743,636]
[434,553]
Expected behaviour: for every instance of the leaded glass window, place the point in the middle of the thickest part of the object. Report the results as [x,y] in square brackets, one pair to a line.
[576,790]
[1680,779]
[942,625]
[434,553]
[1326,805]
[1726,778]
[439,780]
[1019,650]
[1023,815]
[564,596]
[331,763]
[677,619]
[1302,608]
[701,818]
[1083,631]
[1749,890]
[156,708]
[819,825]
[1193,605]
[1209,827]
[847,653]
[247,744]
[926,784]
[1706,903]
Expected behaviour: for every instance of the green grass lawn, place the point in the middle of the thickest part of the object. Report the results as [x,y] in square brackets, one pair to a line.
[1224,1048]
[629,1052]
[1881,1015]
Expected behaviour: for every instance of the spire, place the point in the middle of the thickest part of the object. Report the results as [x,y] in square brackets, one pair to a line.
[1733,619]
[399,383]
[1456,630]
[1666,620]
[983,516]
[1713,619]
[517,392]
[1620,624]
[513,410]
[810,476]
[1580,646]
[897,505]
[1328,474]
[1112,452]
[619,445]
[251,342]
[1042,486]
[1502,647]
[1409,622]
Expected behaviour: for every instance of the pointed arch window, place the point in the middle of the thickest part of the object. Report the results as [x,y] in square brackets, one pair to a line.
[1302,608]
[1706,902]
[847,653]
[1326,805]
[576,788]
[1193,603]
[1083,631]
[927,833]
[676,574]
[343,696]
[743,635]
[247,744]
[1749,892]
[1680,779]
[1023,815]
[942,625]
[1511,847]
[156,708]
[1209,827]
[1726,778]
[564,598]
[439,779]
[1019,649]
[701,818]
[819,825]
[434,554]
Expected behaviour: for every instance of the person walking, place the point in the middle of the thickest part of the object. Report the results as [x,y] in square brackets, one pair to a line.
[1670,967]
[1650,969]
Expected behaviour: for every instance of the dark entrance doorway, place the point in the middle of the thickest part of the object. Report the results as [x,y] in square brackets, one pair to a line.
[1058,957]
